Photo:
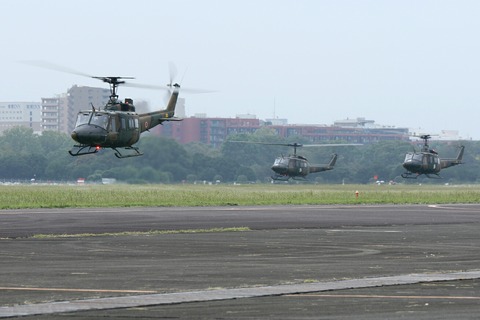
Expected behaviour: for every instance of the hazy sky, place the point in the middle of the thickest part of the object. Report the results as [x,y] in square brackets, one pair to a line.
[401,63]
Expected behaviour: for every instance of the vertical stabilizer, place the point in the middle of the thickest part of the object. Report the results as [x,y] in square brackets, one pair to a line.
[333,160]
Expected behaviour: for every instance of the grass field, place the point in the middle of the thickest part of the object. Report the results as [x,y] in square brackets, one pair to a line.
[61,196]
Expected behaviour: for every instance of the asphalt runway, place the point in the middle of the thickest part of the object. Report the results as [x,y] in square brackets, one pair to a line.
[293,262]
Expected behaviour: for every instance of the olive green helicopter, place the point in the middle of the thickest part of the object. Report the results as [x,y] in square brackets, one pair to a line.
[117,126]
[428,162]
[297,167]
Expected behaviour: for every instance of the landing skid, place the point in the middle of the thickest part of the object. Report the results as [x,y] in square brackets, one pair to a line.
[411,175]
[82,150]
[287,178]
[300,179]
[132,152]
[280,178]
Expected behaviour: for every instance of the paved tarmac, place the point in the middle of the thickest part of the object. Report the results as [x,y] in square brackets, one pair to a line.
[294,262]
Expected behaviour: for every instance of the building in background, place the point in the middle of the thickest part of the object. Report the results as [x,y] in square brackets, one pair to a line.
[25,114]
[59,114]
[214,131]
[54,113]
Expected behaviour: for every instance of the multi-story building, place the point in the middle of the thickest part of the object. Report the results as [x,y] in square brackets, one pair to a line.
[357,130]
[211,131]
[54,114]
[324,133]
[26,114]
[57,113]
[214,131]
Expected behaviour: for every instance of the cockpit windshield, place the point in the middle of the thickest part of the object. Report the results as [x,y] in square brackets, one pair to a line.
[281,162]
[413,157]
[97,119]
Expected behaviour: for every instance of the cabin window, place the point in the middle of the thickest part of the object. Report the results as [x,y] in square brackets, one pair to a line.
[113,124]
[123,124]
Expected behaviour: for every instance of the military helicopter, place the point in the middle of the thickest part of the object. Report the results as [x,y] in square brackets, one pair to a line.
[117,126]
[297,167]
[428,162]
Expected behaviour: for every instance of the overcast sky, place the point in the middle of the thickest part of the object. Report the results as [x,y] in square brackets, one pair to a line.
[401,63]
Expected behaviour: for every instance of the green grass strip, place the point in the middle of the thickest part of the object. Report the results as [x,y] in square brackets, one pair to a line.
[139,233]
[96,196]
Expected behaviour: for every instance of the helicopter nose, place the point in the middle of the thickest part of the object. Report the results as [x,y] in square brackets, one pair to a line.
[87,134]
[279,169]
[412,166]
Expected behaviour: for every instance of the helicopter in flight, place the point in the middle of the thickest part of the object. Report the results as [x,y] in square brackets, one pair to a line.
[117,126]
[428,162]
[297,167]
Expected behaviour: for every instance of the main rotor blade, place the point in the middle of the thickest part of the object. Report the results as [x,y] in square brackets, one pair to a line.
[265,143]
[56,67]
[166,88]
[298,145]
[333,145]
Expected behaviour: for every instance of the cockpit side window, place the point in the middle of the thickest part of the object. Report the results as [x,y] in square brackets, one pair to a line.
[99,119]
[82,118]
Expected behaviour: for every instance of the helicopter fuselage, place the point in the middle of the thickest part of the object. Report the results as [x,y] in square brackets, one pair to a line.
[117,126]
[428,163]
[298,167]
[422,163]
[107,129]
[293,166]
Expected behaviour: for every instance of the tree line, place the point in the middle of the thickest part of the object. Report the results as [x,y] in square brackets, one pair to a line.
[27,156]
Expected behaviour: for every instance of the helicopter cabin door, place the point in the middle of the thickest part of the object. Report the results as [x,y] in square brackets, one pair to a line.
[295,166]
[430,161]
[128,129]
[113,124]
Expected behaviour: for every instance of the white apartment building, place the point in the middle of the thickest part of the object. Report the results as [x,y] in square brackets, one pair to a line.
[26,114]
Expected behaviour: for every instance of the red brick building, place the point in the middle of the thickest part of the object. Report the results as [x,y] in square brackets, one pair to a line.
[214,131]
